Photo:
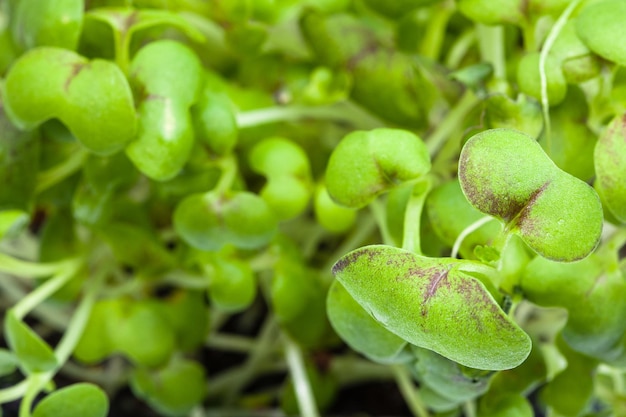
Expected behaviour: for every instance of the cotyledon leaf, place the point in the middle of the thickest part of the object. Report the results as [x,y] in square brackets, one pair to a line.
[434,304]
[609,163]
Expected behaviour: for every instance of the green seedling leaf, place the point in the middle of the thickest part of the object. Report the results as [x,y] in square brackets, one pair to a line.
[19,163]
[359,329]
[77,400]
[578,63]
[600,26]
[95,342]
[493,12]
[232,284]
[450,214]
[330,215]
[187,314]
[368,163]
[127,21]
[530,82]
[299,301]
[33,353]
[288,172]
[214,120]
[141,333]
[212,220]
[173,390]
[397,9]
[92,98]
[557,215]
[610,173]
[47,23]
[437,372]
[523,114]
[434,304]
[168,76]
[594,297]
[511,405]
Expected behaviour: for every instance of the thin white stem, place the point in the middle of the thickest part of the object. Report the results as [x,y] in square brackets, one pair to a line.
[301,384]
[466,232]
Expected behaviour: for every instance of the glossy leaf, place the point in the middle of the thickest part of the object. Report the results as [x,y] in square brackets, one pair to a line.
[77,400]
[168,75]
[557,215]
[92,98]
[359,329]
[434,304]
[33,353]
[611,176]
[368,163]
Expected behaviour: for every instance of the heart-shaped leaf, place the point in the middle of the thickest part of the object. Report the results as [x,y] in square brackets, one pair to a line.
[433,304]
[359,329]
[506,174]
[212,220]
[33,353]
[368,163]
[600,26]
[78,400]
[92,98]
[609,163]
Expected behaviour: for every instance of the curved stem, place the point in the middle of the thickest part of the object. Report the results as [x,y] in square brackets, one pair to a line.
[20,268]
[491,42]
[228,165]
[411,239]
[340,112]
[58,173]
[409,392]
[379,215]
[543,57]
[45,290]
[301,384]
[466,232]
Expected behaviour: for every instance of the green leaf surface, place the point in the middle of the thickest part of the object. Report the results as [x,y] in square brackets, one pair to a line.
[434,304]
[33,353]
[600,25]
[78,400]
[212,220]
[556,214]
[47,23]
[609,164]
[359,329]
[92,98]
[8,362]
[368,163]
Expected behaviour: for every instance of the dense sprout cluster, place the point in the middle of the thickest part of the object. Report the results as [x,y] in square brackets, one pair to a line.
[426,191]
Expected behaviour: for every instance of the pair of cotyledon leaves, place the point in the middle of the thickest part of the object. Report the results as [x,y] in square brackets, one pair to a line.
[444,304]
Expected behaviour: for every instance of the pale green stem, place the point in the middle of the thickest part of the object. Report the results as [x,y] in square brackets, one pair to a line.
[459,48]
[58,173]
[301,384]
[451,122]
[466,232]
[430,47]
[341,112]
[378,210]
[45,290]
[29,388]
[26,269]
[411,239]
[543,57]
[469,409]
[491,43]
[409,391]
[229,342]
[228,165]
